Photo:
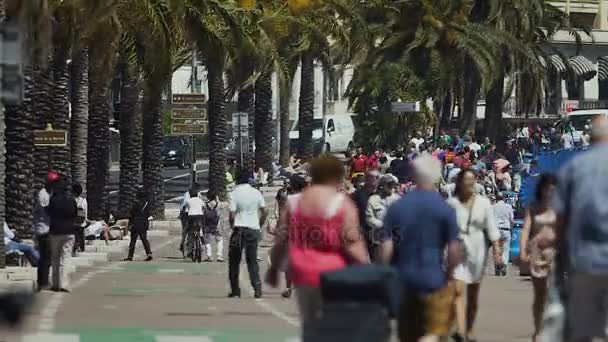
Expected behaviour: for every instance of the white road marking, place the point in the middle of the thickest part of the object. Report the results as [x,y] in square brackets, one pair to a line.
[169,270]
[265,305]
[182,339]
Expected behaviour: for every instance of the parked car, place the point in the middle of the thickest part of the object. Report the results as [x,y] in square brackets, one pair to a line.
[176,151]
[338,138]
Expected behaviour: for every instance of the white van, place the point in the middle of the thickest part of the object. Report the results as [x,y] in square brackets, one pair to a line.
[581,119]
[339,134]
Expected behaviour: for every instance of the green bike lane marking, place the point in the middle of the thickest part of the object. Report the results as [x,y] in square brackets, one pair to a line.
[151,335]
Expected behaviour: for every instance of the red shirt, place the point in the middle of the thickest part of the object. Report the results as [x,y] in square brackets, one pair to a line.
[358,163]
[373,162]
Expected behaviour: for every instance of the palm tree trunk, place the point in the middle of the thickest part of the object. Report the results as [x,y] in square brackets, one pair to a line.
[307,105]
[472,85]
[61,158]
[19,162]
[217,127]
[2,175]
[98,144]
[152,167]
[263,121]
[80,116]
[130,138]
[246,104]
[494,106]
[285,123]
[43,107]
[446,110]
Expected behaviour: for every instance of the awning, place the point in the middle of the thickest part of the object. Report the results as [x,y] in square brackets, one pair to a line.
[557,63]
[602,68]
[582,67]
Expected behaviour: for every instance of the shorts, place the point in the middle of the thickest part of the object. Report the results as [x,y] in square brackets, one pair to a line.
[426,314]
[586,306]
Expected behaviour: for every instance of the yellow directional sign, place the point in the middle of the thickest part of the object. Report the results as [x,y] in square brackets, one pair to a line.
[189,113]
[189,99]
[50,138]
[188,129]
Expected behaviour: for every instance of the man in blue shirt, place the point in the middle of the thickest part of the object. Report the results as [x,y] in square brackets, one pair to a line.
[417,230]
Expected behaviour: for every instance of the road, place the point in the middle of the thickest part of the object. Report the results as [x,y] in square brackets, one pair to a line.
[176,181]
[173,300]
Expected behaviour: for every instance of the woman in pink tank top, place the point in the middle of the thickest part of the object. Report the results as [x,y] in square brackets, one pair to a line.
[318,232]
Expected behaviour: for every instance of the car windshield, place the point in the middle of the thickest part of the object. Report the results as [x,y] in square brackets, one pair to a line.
[316,124]
[169,145]
[580,121]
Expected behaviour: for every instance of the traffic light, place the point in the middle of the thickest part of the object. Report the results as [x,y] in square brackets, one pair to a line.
[11,64]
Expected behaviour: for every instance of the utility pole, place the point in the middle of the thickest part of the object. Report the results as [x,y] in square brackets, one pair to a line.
[193,88]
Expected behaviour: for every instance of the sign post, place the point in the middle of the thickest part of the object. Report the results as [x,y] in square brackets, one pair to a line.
[50,137]
[189,117]
[405,107]
[240,131]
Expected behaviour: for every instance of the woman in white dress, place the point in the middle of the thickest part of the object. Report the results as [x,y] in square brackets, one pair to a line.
[477,225]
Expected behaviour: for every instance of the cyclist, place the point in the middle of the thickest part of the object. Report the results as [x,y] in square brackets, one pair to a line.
[195,208]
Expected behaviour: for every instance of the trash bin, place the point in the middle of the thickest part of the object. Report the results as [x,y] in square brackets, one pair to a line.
[515,238]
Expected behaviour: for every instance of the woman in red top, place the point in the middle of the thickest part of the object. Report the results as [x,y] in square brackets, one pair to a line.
[319,231]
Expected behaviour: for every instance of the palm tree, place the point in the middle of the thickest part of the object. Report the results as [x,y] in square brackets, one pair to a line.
[285,90]
[130,132]
[19,162]
[101,62]
[263,121]
[307,104]
[80,115]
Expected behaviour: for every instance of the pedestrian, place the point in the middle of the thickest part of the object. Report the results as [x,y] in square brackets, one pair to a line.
[13,243]
[41,229]
[538,217]
[567,140]
[477,226]
[376,208]
[62,212]
[183,216]
[580,234]
[505,218]
[417,230]
[361,198]
[319,231]
[212,228]
[247,215]
[139,221]
[358,163]
[81,218]
[195,207]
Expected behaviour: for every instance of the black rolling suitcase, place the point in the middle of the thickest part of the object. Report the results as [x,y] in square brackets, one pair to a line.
[359,302]
[350,322]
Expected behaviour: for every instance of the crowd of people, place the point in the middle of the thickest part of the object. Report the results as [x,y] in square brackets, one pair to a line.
[434,211]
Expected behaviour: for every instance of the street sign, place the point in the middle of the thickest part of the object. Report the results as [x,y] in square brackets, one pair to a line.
[405,107]
[240,122]
[189,122]
[196,99]
[189,113]
[187,129]
[57,138]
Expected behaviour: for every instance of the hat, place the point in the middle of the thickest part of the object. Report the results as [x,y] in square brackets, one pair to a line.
[52,177]
[387,179]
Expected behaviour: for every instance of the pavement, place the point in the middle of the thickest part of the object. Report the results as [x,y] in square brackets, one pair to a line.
[172,299]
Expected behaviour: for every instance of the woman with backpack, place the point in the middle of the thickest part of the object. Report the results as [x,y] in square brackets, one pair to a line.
[140,224]
[212,228]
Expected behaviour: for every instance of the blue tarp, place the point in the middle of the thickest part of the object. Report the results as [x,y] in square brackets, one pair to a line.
[548,162]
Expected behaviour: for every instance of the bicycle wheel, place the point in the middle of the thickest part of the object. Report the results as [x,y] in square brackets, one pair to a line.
[193,253]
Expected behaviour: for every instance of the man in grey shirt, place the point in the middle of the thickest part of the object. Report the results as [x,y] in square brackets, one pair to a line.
[505,218]
[581,205]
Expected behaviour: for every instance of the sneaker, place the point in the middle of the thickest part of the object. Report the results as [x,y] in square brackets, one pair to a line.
[286,294]
[258,294]
[208,259]
[127,259]
[149,258]
[234,295]
[220,259]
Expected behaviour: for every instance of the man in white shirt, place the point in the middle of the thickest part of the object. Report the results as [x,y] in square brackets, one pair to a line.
[417,140]
[475,147]
[247,214]
[567,140]
[11,244]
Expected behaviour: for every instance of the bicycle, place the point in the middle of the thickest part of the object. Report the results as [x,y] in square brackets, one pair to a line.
[195,239]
